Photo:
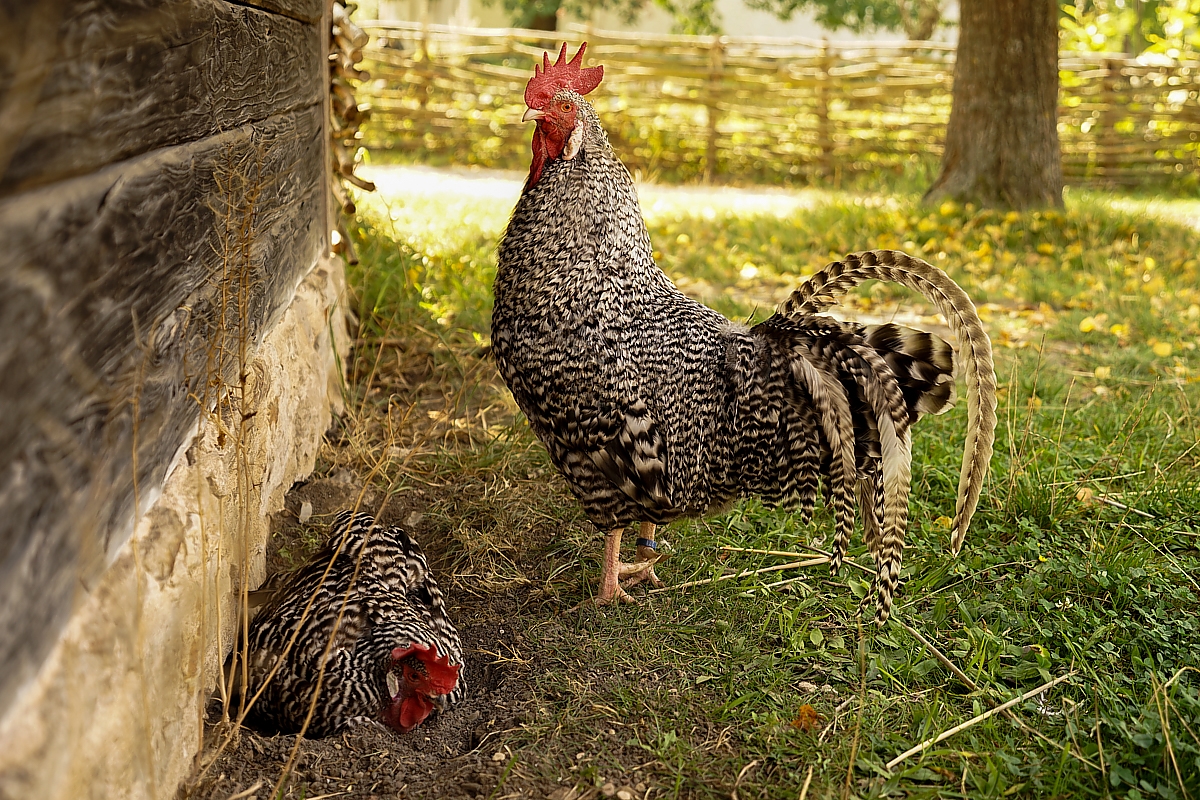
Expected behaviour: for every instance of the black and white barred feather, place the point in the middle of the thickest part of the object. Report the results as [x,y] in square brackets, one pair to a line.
[655,407]
[368,592]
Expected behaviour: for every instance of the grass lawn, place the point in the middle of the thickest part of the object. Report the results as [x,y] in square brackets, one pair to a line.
[1083,560]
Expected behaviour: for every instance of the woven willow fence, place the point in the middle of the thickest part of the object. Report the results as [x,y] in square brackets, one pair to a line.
[768,109]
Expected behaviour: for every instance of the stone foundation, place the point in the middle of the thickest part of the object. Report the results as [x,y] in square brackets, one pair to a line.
[116,710]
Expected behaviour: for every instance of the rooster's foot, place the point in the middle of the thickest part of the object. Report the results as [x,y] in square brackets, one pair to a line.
[616,597]
[641,570]
[646,574]
[612,587]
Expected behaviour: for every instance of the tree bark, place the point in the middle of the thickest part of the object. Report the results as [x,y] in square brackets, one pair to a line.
[543,22]
[1002,139]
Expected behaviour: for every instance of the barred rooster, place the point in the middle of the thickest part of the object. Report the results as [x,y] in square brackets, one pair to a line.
[368,608]
[655,407]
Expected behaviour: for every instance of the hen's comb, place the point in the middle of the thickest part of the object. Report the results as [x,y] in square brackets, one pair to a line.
[443,676]
[562,74]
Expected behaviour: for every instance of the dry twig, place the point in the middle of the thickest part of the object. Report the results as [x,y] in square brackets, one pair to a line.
[742,574]
[247,792]
[976,720]
[807,781]
[970,684]
[784,553]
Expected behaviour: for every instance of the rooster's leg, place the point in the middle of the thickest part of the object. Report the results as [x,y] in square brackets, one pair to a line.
[610,588]
[647,557]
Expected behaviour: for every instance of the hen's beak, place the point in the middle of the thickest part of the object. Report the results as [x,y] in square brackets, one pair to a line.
[532,114]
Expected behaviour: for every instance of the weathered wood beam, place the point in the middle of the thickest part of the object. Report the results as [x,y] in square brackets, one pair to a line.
[136,286]
[309,11]
[118,79]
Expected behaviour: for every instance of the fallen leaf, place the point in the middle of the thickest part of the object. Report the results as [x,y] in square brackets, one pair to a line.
[807,719]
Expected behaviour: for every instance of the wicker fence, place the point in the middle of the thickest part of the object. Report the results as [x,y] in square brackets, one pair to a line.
[765,109]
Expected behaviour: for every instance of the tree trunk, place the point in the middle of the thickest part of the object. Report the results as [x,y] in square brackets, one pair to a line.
[1002,139]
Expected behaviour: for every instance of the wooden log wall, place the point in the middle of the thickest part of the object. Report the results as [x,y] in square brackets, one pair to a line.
[757,108]
[163,189]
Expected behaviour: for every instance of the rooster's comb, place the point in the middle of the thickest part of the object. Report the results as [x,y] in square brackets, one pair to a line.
[562,74]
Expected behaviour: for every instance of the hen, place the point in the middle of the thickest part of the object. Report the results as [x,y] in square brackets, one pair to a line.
[655,407]
[368,608]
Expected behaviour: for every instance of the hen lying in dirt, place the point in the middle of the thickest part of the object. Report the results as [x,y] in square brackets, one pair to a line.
[368,609]
[655,407]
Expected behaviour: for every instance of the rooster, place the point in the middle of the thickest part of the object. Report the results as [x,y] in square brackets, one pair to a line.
[655,407]
[368,610]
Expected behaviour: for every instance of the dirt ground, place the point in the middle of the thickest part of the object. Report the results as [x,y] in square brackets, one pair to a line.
[452,755]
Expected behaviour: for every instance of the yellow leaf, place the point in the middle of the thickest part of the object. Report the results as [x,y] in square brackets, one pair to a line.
[1162,349]
[1103,373]
[807,719]
[1045,248]
[944,522]
[947,208]
[1119,329]
[1087,324]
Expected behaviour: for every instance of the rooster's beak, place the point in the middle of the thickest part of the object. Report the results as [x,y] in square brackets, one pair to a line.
[532,114]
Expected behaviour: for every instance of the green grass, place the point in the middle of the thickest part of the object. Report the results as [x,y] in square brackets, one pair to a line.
[1095,312]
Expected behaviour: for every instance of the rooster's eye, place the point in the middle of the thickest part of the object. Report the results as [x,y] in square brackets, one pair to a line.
[565,107]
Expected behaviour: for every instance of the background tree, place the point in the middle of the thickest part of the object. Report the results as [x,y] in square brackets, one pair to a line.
[1002,138]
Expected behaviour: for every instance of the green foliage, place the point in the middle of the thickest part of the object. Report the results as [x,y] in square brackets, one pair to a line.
[525,13]
[1169,28]
[691,16]
[917,18]
[697,692]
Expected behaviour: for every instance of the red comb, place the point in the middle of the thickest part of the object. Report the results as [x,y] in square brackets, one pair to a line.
[562,74]
[443,676]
